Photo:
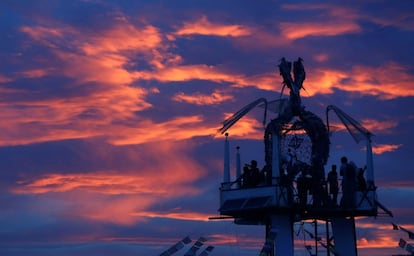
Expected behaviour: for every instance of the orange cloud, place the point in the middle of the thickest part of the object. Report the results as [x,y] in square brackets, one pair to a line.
[224,239]
[105,68]
[202,99]
[178,128]
[110,210]
[39,32]
[332,10]
[383,236]
[106,108]
[341,20]
[190,72]
[104,57]
[363,80]
[178,215]
[376,126]
[72,117]
[321,57]
[106,113]
[375,81]
[124,197]
[47,36]
[205,27]
[383,148]
[125,37]
[261,40]
[265,81]
[372,125]
[295,31]
[155,178]
[247,240]
[246,128]
[95,182]
[34,73]
[379,242]
[323,81]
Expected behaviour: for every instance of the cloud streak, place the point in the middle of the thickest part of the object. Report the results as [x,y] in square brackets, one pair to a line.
[204,27]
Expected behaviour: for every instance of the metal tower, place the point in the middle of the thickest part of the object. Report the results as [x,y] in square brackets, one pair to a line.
[292,187]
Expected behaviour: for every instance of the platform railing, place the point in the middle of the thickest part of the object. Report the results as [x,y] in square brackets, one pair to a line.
[287,195]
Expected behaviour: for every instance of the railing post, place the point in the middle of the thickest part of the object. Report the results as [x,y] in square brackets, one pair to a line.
[226,175]
[238,164]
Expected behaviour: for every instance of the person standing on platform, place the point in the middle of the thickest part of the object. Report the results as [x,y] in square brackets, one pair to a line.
[333,184]
[254,173]
[348,172]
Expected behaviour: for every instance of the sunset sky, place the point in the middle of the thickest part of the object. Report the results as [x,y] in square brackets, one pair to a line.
[109,114]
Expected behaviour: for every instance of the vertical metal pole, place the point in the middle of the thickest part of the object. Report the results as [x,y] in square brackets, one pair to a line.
[328,251]
[238,164]
[284,243]
[268,228]
[275,158]
[316,237]
[370,164]
[345,236]
[226,176]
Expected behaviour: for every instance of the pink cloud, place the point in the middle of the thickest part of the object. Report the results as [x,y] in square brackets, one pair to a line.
[210,73]
[246,128]
[34,73]
[384,148]
[104,56]
[376,126]
[178,128]
[203,99]
[177,215]
[337,21]
[5,79]
[123,37]
[363,80]
[299,30]
[374,81]
[84,116]
[204,27]
[123,197]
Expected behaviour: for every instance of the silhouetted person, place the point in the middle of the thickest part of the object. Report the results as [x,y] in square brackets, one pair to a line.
[333,184]
[254,173]
[246,180]
[266,174]
[303,185]
[286,183]
[319,191]
[348,172]
[288,162]
[362,184]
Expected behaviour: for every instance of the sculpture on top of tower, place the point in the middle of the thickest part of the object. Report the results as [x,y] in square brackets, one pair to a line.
[295,84]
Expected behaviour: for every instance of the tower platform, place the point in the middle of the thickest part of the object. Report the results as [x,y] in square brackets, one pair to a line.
[253,204]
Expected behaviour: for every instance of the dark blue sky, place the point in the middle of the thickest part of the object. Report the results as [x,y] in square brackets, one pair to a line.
[109,112]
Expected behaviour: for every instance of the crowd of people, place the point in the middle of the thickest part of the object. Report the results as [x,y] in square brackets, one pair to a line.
[324,191]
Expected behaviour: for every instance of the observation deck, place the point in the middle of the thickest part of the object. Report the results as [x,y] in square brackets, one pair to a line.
[254,203]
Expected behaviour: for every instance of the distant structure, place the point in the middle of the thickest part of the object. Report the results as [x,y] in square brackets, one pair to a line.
[292,187]
[192,251]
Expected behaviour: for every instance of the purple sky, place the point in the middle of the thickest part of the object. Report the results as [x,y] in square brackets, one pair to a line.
[109,114]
